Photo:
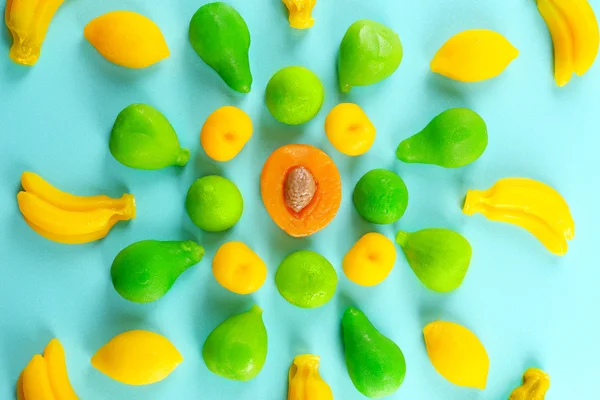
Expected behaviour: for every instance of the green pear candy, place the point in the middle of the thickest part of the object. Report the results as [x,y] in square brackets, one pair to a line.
[145,271]
[237,348]
[439,257]
[143,138]
[369,53]
[375,364]
[455,138]
[220,36]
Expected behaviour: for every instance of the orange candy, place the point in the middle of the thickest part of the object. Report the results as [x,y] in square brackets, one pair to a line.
[225,133]
[349,129]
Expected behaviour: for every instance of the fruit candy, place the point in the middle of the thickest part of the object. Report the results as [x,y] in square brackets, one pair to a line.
[238,269]
[214,203]
[294,95]
[301,188]
[306,279]
[220,36]
[380,197]
[305,382]
[439,257]
[370,260]
[369,53]
[574,30]
[455,138]
[535,385]
[145,271]
[349,129]
[225,133]
[375,363]
[300,13]
[143,138]
[65,218]
[237,348]
[530,204]
[127,39]
[28,22]
[457,354]
[474,55]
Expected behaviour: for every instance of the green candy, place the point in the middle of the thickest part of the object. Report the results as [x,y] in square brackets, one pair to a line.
[145,271]
[375,363]
[380,197]
[294,95]
[237,348]
[453,139]
[439,257]
[214,203]
[369,53]
[306,279]
[143,138]
[220,36]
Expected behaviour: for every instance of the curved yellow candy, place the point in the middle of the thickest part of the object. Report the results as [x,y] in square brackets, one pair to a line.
[225,133]
[137,358]
[370,260]
[305,382]
[20,393]
[349,129]
[530,204]
[457,354]
[300,13]
[36,383]
[535,385]
[28,22]
[238,269]
[474,55]
[127,39]
[56,362]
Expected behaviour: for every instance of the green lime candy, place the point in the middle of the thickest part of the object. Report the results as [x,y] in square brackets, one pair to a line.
[294,95]
[381,197]
[214,203]
[143,138]
[306,279]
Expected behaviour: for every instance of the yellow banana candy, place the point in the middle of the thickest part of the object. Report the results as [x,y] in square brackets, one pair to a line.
[300,13]
[575,34]
[529,204]
[28,22]
[474,55]
[535,385]
[305,383]
[65,218]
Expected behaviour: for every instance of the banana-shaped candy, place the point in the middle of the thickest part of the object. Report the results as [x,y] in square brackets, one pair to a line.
[529,204]
[65,218]
[28,22]
[574,30]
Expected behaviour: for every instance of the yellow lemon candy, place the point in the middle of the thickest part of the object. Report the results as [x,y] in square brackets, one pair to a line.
[457,354]
[370,260]
[237,268]
[127,39]
[349,129]
[474,55]
[225,133]
[137,358]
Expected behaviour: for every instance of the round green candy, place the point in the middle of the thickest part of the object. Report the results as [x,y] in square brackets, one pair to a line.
[294,95]
[214,203]
[306,279]
[381,197]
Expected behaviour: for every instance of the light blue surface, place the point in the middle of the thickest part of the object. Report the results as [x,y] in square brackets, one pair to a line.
[528,307]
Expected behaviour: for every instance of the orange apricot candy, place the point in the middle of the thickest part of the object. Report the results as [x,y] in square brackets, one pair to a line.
[301,189]
[225,133]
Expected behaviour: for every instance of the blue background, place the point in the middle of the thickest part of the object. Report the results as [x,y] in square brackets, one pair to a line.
[528,307]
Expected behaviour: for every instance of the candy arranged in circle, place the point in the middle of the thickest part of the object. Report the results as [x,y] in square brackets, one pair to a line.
[225,133]
[239,269]
[381,197]
[349,129]
[214,203]
[370,260]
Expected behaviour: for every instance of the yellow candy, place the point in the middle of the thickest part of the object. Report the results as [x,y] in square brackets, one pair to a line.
[127,39]
[349,129]
[225,133]
[137,358]
[300,13]
[36,384]
[473,56]
[457,354]
[535,385]
[305,382]
[54,354]
[370,260]
[238,269]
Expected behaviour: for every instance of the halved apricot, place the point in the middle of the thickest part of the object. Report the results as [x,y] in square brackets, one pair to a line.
[286,186]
